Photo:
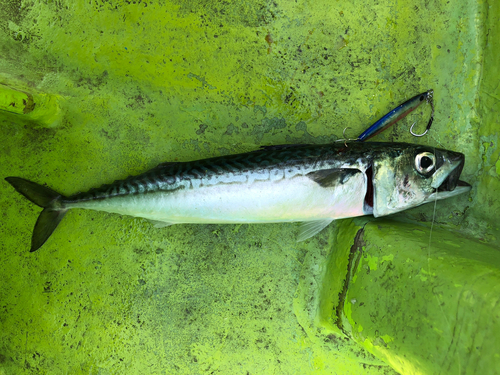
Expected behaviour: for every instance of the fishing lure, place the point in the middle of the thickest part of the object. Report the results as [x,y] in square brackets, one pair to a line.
[398,113]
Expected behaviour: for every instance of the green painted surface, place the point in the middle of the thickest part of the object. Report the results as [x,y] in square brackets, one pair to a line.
[33,108]
[15,101]
[126,86]
[429,308]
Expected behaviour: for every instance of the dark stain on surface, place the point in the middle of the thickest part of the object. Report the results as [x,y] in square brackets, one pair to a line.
[202,129]
[354,257]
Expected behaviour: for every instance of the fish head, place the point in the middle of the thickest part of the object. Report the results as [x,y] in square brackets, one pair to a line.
[406,176]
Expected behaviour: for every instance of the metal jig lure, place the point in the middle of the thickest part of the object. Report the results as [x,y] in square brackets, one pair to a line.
[398,113]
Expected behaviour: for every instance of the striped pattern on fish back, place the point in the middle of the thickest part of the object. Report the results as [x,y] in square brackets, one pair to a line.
[273,162]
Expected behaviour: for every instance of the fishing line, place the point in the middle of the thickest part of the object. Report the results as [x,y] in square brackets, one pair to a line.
[430,232]
[429,264]
[429,258]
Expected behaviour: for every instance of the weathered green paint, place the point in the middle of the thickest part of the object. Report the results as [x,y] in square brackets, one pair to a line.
[15,101]
[25,105]
[431,305]
[486,210]
[192,79]
[335,276]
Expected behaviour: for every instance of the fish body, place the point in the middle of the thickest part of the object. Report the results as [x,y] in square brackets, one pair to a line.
[257,187]
[313,184]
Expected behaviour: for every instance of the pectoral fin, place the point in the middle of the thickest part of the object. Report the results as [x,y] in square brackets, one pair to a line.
[310,228]
[332,177]
[160,224]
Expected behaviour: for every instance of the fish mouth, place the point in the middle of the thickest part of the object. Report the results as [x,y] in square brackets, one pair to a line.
[451,185]
[452,181]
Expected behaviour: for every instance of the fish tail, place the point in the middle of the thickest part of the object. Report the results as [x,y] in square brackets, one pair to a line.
[53,210]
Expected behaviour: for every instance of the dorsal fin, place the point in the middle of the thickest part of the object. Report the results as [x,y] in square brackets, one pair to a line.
[166,164]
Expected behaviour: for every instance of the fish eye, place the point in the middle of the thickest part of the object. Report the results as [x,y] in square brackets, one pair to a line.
[425,162]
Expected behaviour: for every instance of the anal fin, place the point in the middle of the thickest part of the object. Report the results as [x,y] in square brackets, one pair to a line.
[310,228]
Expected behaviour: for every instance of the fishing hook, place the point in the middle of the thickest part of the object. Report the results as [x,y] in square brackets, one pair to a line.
[345,139]
[429,124]
[426,129]
[343,132]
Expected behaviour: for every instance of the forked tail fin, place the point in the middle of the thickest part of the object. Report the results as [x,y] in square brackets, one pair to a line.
[52,213]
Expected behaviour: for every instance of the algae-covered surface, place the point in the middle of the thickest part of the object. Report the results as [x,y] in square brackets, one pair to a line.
[124,85]
[456,331]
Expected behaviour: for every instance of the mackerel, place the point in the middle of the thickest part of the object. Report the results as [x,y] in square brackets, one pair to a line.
[312,184]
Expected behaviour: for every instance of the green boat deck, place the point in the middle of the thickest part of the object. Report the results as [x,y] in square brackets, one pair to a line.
[91,92]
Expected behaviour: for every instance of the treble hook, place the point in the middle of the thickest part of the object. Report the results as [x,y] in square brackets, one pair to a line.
[429,124]
[345,139]
[343,132]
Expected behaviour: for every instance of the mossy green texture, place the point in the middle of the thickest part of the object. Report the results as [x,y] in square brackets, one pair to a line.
[324,272]
[487,209]
[335,275]
[426,304]
[15,101]
[140,83]
[37,109]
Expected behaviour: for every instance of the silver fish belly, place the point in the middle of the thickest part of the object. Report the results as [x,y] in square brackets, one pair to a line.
[246,200]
